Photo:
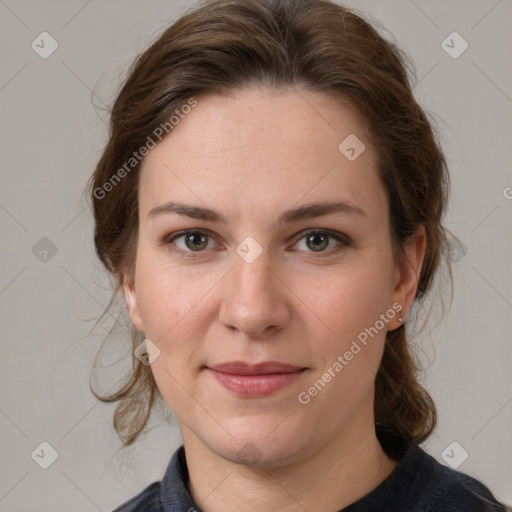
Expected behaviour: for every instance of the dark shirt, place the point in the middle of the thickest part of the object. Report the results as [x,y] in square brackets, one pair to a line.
[417,484]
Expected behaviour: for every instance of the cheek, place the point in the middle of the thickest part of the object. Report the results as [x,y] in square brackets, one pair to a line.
[348,299]
[175,306]
[169,295]
[168,308]
[348,347]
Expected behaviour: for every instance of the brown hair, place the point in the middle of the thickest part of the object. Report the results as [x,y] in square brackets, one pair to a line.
[223,45]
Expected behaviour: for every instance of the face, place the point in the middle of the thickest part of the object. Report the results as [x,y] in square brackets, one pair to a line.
[264,275]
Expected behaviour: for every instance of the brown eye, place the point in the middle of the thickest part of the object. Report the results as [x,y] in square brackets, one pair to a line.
[189,242]
[321,241]
[196,241]
[317,241]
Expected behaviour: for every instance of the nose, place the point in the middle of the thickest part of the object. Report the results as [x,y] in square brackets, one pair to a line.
[255,298]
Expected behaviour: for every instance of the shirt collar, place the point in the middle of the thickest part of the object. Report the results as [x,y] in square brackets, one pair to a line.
[174,494]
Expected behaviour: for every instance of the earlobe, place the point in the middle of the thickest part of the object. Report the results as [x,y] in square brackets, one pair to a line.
[408,274]
[130,297]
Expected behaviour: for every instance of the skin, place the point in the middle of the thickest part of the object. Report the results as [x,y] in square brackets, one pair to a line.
[252,155]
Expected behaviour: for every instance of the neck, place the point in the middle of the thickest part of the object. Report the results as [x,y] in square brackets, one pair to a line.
[339,473]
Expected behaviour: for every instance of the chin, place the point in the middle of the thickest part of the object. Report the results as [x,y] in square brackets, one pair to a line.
[264,444]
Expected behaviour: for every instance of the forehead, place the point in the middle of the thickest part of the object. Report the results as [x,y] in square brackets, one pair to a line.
[262,117]
[258,148]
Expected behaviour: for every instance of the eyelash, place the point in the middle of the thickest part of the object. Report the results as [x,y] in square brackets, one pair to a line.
[339,237]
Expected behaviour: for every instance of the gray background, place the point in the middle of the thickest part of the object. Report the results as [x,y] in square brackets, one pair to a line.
[52,136]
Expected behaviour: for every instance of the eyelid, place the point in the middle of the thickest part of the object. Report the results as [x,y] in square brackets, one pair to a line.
[340,237]
[337,235]
[343,241]
[168,239]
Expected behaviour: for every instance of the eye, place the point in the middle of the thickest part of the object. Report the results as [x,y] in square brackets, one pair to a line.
[191,241]
[318,240]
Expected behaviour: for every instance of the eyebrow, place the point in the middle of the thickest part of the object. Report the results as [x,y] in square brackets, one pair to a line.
[306,211]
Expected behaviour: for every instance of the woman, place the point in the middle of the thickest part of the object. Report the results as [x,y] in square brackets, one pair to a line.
[270,202]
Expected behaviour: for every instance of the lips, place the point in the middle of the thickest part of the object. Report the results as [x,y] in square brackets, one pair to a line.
[242,368]
[255,380]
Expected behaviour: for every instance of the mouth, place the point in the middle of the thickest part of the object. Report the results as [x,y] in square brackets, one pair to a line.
[255,380]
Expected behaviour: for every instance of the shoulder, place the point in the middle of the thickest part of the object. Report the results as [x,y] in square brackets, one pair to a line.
[420,483]
[453,491]
[433,487]
[145,501]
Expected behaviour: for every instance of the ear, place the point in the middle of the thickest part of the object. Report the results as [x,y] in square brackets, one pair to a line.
[407,274]
[130,296]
